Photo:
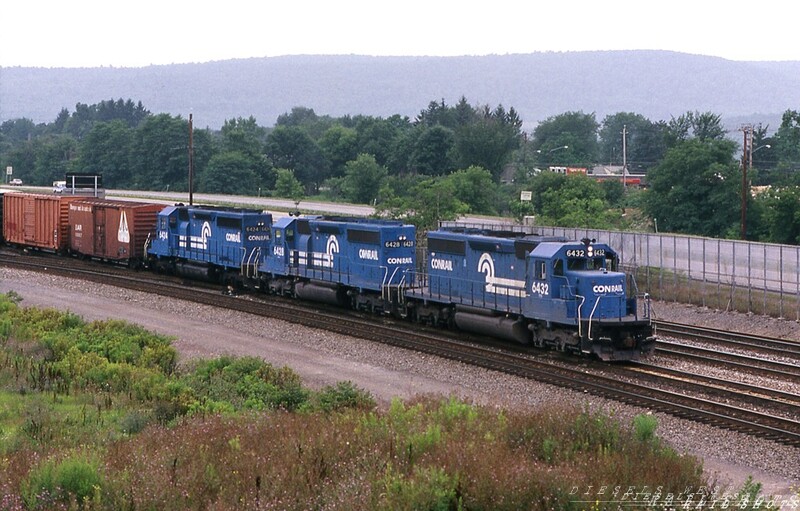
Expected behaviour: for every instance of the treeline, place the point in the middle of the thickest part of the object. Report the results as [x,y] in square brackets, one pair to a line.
[447,161]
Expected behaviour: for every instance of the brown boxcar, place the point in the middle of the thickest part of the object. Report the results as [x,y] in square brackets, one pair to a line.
[113,230]
[35,220]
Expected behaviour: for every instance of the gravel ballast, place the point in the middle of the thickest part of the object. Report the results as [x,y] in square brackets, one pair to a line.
[323,358]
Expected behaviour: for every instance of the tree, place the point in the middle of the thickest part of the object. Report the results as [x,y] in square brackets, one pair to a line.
[160,154]
[703,126]
[695,189]
[580,202]
[644,141]
[290,147]
[378,136]
[230,172]
[54,155]
[118,110]
[781,215]
[106,150]
[490,140]
[339,145]
[570,201]
[286,185]
[363,179]
[433,151]
[575,132]
[475,188]
[430,201]
[707,126]
[788,141]
[243,135]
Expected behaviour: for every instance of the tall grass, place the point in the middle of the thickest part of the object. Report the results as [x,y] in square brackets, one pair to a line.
[99,416]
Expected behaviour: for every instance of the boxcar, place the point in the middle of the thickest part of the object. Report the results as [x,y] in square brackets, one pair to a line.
[39,221]
[112,230]
[2,238]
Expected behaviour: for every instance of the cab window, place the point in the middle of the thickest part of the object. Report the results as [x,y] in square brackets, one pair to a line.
[576,264]
[595,263]
[558,268]
[540,270]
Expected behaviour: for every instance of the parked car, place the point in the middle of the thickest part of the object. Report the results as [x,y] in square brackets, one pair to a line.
[59,188]
[15,182]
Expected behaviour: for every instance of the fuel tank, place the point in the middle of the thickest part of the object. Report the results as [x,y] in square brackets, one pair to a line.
[493,326]
[319,292]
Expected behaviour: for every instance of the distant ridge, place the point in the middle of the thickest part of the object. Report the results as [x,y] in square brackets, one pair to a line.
[656,84]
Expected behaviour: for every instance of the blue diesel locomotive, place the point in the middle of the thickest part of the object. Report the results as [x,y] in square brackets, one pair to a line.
[356,262]
[220,244]
[547,291]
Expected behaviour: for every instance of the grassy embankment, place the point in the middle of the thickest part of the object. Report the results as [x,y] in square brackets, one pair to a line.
[101,416]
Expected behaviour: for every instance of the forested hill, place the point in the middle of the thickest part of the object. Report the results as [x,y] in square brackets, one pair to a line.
[656,84]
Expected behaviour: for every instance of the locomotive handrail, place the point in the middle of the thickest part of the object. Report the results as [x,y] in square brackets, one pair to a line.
[591,317]
[252,263]
[242,264]
[147,242]
[580,306]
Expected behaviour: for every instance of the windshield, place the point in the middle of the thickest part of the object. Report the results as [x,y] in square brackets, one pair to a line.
[586,264]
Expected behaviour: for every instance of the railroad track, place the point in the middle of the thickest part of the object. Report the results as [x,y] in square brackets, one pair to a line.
[747,394]
[750,364]
[767,345]
[701,409]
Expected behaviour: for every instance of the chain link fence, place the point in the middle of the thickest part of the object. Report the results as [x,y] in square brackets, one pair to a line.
[758,278]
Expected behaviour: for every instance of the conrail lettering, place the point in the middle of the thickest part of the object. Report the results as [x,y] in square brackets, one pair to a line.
[616,288]
[399,260]
[441,264]
[253,237]
[368,254]
[235,237]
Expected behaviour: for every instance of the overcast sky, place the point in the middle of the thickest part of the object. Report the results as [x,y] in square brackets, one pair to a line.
[89,33]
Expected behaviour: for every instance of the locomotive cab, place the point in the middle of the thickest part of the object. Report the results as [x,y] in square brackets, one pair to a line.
[600,302]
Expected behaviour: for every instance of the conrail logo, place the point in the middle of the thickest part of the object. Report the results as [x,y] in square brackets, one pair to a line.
[616,288]
[441,264]
[196,242]
[371,255]
[400,260]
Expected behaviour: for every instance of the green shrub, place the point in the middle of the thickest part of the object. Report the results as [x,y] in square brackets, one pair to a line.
[246,383]
[75,477]
[5,329]
[134,422]
[644,428]
[550,449]
[429,488]
[343,395]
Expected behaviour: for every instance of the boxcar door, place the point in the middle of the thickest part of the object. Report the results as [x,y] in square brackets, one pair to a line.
[99,218]
[29,219]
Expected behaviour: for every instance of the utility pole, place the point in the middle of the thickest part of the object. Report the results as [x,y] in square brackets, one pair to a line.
[624,154]
[191,161]
[747,129]
[752,147]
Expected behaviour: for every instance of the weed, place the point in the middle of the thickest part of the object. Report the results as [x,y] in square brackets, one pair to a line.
[75,477]
[644,428]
